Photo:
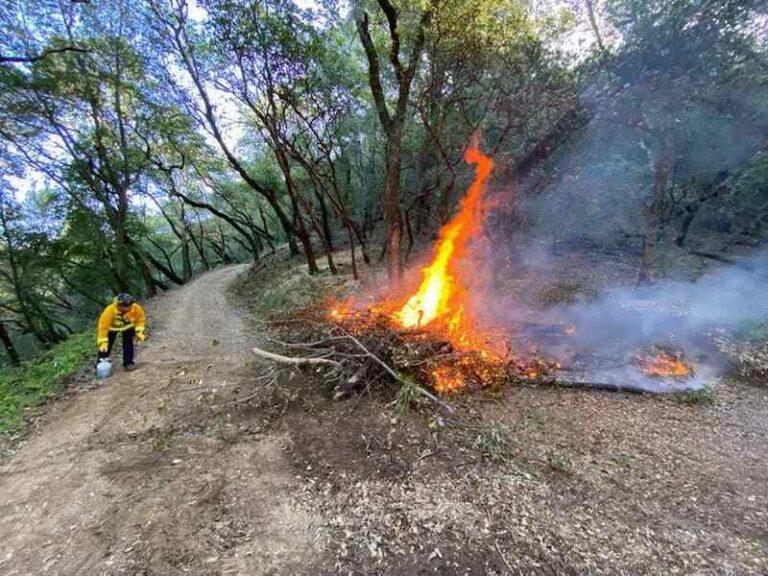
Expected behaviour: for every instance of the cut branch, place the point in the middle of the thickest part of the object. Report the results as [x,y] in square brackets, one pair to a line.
[292,360]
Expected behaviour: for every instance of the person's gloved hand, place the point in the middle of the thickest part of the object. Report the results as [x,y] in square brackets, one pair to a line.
[103,344]
[140,336]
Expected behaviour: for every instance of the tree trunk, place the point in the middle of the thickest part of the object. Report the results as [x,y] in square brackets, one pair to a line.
[200,246]
[13,355]
[151,282]
[324,219]
[409,231]
[186,261]
[293,247]
[352,250]
[121,252]
[393,216]
[393,123]
[595,28]
[299,229]
[300,232]
[653,212]
[268,236]
[690,214]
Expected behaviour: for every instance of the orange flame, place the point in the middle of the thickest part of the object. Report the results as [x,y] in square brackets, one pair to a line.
[664,365]
[441,295]
[447,380]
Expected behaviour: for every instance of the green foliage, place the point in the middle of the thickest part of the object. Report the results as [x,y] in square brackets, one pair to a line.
[493,443]
[102,126]
[408,395]
[161,441]
[34,382]
[703,396]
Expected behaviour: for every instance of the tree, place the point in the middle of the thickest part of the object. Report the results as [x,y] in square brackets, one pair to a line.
[393,121]
[175,31]
[675,85]
[87,117]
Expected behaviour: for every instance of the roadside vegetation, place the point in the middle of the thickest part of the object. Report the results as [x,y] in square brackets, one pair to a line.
[34,382]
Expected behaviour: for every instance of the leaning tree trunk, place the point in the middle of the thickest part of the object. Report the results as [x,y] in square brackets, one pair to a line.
[299,229]
[199,244]
[13,355]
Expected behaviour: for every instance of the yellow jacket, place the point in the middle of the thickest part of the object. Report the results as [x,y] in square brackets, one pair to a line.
[112,321]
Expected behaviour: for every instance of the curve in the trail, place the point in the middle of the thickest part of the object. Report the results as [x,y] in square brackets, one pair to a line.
[108,484]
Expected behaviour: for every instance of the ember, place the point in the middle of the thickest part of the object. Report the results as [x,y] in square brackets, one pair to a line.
[446,381]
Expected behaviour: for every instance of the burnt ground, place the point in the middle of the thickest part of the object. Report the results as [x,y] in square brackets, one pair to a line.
[197,464]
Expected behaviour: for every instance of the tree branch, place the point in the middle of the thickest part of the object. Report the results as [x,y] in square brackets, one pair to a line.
[374,71]
[44,54]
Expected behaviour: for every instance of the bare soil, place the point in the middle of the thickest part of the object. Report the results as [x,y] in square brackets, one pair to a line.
[196,464]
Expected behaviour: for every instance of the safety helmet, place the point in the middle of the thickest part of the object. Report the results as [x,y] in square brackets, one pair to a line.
[125,299]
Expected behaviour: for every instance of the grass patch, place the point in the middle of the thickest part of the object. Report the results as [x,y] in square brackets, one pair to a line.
[33,382]
[288,287]
[559,462]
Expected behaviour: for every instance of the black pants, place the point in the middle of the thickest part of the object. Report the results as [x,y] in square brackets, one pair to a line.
[127,345]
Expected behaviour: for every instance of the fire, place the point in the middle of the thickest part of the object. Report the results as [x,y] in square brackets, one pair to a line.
[441,295]
[447,380]
[664,364]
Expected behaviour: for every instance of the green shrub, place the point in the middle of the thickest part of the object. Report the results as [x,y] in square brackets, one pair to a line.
[700,397]
[493,442]
[35,381]
[408,395]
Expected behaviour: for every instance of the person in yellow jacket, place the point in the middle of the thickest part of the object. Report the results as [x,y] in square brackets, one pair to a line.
[124,316]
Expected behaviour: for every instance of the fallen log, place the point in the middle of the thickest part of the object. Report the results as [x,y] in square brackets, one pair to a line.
[607,386]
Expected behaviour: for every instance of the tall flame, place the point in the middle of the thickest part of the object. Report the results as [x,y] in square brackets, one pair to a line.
[441,294]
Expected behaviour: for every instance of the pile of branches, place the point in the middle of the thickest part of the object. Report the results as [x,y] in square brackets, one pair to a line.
[361,349]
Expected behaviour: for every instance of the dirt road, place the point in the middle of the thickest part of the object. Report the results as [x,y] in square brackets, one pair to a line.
[142,476]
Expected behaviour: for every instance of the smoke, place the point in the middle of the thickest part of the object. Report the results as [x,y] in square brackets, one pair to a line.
[580,218]
[600,337]
[726,297]
[675,314]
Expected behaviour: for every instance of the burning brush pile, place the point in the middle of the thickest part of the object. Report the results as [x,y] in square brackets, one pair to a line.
[364,348]
[427,340]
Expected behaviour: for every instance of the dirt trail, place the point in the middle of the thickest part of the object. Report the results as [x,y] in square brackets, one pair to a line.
[129,479]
